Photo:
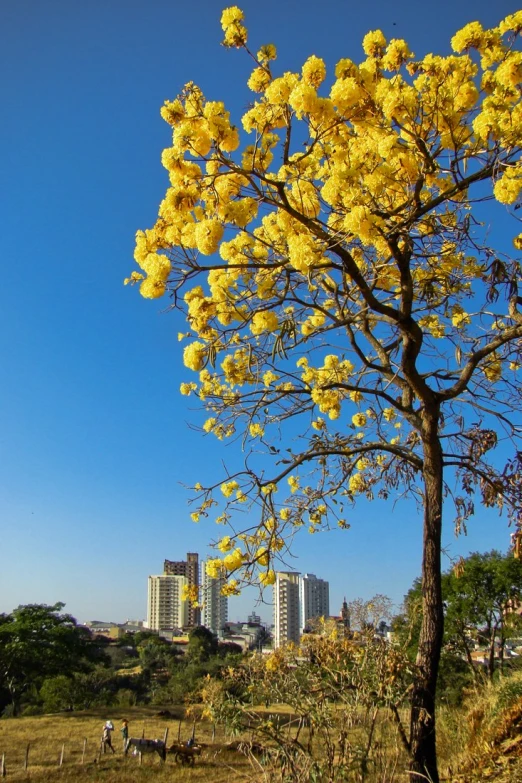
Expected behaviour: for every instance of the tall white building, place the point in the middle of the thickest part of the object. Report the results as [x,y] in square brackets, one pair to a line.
[166,608]
[215,605]
[314,598]
[286,608]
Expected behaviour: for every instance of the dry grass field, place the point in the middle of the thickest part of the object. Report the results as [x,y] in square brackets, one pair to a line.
[47,734]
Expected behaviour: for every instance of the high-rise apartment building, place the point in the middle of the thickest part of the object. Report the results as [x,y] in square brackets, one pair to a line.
[215,606]
[314,598]
[297,599]
[166,607]
[188,568]
[286,608]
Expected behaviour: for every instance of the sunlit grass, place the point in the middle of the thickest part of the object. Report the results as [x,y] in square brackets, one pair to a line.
[47,734]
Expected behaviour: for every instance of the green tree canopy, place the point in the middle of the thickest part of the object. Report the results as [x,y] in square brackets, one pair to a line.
[202,645]
[36,642]
[481,595]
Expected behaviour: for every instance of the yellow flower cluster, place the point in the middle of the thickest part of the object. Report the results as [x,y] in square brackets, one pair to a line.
[432,325]
[235,31]
[264,321]
[323,382]
[226,544]
[231,588]
[233,560]
[493,369]
[356,483]
[194,356]
[293,483]
[214,567]
[459,319]
[228,488]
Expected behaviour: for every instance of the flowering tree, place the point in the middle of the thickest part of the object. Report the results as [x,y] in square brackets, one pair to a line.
[350,320]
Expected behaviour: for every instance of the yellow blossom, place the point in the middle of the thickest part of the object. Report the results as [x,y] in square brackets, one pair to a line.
[263,556]
[226,544]
[214,567]
[264,321]
[194,356]
[293,483]
[208,234]
[314,71]
[228,488]
[493,370]
[374,43]
[152,289]
[356,483]
[234,560]
[259,80]
[231,588]
[460,319]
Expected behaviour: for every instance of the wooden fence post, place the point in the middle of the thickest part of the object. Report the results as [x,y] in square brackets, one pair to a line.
[3,768]
[62,754]
[84,747]
[26,759]
[141,755]
[165,736]
[213,732]
[193,730]
[179,729]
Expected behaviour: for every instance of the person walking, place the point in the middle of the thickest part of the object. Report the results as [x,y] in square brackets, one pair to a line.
[107,736]
[125,733]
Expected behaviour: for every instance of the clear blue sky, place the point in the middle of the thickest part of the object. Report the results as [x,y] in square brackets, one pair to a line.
[94,441]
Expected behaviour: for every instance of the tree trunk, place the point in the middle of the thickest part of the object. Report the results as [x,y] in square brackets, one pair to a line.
[491,657]
[501,653]
[423,764]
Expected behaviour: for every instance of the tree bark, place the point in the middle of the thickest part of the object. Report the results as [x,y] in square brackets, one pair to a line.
[491,657]
[423,766]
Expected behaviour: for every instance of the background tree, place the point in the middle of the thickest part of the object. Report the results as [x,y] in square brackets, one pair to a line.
[37,642]
[353,319]
[157,655]
[369,614]
[202,644]
[481,596]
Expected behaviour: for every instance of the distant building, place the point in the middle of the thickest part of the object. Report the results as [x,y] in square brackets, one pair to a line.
[166,607]
[114,630]
[215,606]
[188,568]
[345,617]
[314,599]
[255,619]
[286,608]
